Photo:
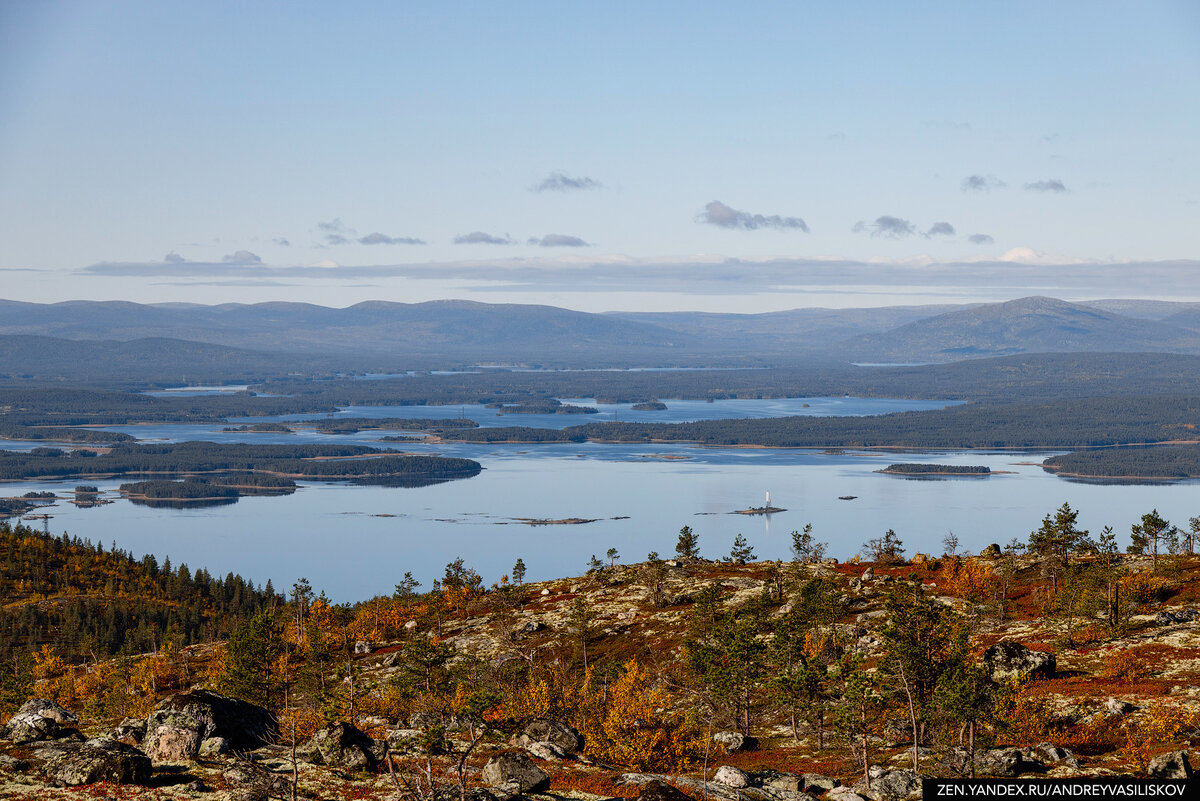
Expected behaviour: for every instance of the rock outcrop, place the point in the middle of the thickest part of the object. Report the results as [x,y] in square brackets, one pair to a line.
[38,720]
[552,731]
[516,771]
[99,760]
[1007,660]
[243,725]
[343,746]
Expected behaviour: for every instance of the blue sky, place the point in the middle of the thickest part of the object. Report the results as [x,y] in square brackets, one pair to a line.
[599,156]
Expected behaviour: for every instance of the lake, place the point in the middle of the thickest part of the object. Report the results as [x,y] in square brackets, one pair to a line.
[355,542]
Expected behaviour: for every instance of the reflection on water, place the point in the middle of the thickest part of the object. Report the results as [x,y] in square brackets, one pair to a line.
[355,541]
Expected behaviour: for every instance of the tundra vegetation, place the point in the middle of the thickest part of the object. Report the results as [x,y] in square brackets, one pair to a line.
[1058,654]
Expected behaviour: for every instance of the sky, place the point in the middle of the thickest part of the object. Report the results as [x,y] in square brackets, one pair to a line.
[599,156]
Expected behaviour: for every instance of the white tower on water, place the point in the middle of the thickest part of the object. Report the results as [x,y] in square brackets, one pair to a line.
[768,499]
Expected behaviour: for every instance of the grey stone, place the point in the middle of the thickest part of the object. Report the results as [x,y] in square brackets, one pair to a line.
[1011,660]
[212,747]
[890,784]
[130,731]
[542,749]
[1171,765]
[991,552]
[341,745]
[361,647]
[39,719]
[656,790]
[1169,616]
[552,731]
[999,762]
[250,782]
[868,574]
[733,741]
[815,781]
[171,743]
[784,781]
[245,725]
[1053,755]
[99,760]
[517,769]
[730,776]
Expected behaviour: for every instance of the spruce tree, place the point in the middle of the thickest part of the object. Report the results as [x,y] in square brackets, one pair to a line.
[742,552]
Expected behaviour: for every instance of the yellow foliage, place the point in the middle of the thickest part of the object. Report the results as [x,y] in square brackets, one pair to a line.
[1026,719]
[1143,588]
[968,579]
[1128,664]
[305,721]
[639,727]
[1158,726]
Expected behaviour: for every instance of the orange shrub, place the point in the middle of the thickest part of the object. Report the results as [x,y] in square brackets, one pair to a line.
[968,579]
[1153,731]
[1143,588]
[1126,664]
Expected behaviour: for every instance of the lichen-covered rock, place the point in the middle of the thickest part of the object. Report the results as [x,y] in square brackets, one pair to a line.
[515,769]
[552,731]
[730,776]
[818,783]
[990,552]
[341,745]
[212,747]
[1171,765]
[99,760]
[130,731]
[1116,707]
[1008,660]
[733,741]
[250,782]
[246,726]
[543,749]
[661,791]
[172,744]
[1053,755]
[998,762]
[38,720]
[890,784]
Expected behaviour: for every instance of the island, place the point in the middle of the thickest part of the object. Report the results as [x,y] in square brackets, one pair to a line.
[649,406]
[759,510]
[914,469]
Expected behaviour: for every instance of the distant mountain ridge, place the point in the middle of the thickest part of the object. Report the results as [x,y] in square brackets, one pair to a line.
[277,337]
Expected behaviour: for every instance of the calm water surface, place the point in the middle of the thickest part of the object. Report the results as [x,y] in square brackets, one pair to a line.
[356,542]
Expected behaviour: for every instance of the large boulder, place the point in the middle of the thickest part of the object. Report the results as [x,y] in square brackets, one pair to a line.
[730,776]
[891,784]
[1008,660]
[245,725]
[38,720]
[342,745]
[517,770]
[552,731]
[999,762]
[732,741]
[130,731]
[172,744]
[1171,765]
[99,760]
[247,781]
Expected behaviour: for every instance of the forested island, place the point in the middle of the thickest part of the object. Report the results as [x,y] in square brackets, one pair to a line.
[355,463]
[915,469]
[1161,462]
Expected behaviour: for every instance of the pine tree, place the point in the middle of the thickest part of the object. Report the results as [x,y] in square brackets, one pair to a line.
[613,555]
[518,571]
[741,552]
[1148,533]
[688,544]
[805,548]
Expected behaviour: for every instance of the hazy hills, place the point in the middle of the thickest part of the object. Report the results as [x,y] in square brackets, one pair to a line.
[86,340]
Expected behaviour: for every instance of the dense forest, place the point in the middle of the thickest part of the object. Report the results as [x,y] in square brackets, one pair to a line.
[914,469]
[317,462]
[1074,423]
[87,601]
[1159,462]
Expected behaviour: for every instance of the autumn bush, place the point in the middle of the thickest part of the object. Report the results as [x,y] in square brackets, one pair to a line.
[639,727]
[1023,717]
[1144,588]
[1152,731]
[1126,664]
[968,579]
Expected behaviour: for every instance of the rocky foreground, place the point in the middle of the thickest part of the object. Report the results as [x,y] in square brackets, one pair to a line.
[201,744]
